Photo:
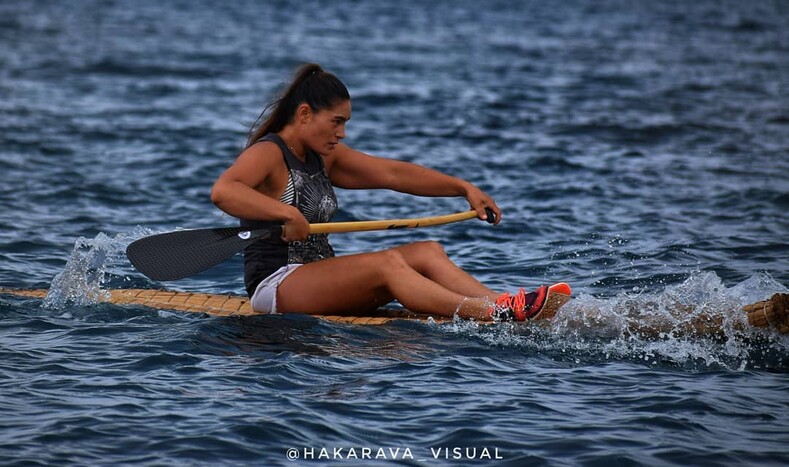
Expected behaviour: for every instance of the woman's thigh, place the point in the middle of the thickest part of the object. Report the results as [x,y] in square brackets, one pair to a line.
[344,284]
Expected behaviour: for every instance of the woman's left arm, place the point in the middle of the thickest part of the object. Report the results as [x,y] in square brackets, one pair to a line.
[356,170]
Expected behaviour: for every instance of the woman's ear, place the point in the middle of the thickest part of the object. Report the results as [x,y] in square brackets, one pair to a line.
[303,113]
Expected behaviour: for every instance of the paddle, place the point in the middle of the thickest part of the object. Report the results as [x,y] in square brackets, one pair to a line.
[182,253]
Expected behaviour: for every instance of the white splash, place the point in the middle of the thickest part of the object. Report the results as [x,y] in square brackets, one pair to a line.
[697,323]
[80,282]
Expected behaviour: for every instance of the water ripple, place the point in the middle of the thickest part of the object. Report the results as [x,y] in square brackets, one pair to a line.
[637,150]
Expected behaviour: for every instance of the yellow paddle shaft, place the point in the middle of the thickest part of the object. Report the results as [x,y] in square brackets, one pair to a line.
[387,224]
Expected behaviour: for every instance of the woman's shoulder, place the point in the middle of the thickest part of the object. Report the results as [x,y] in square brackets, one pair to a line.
[260,157]
[342,152]
[263,147]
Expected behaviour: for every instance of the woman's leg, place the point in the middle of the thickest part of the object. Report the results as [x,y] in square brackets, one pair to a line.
[430,260]
[363,282]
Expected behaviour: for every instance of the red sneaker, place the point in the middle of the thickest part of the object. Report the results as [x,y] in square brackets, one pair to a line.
[524,306]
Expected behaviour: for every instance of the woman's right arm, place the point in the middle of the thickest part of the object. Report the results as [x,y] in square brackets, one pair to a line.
[244,190]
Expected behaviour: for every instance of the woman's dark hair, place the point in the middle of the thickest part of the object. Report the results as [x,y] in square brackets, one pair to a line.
[311,85]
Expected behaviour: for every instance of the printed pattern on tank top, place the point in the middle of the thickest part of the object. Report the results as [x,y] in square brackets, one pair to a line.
[290,193]
[314,196]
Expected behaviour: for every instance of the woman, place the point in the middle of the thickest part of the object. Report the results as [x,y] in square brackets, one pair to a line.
[285,175]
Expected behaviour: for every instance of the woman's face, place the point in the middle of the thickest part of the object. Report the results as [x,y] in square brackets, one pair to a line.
[325,128]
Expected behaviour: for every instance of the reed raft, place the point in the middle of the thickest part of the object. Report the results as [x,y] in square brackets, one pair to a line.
[219,305]
[772,313]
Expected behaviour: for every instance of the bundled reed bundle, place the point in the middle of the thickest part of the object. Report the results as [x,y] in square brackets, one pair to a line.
[773,313]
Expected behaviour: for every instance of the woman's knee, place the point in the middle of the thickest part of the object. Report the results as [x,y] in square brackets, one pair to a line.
[388,268]
[428,249]
[433,248]
[392,259]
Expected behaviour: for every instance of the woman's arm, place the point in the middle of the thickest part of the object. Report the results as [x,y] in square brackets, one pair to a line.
[356,170]
[247,190]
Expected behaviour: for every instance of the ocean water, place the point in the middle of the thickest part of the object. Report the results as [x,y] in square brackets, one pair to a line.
[639,151]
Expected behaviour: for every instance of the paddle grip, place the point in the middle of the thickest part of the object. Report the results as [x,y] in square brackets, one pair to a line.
[491,215]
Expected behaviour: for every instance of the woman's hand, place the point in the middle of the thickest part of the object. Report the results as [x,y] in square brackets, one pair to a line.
[479,200]
[296,228]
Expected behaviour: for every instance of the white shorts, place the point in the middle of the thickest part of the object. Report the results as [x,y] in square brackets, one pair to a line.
[264,300]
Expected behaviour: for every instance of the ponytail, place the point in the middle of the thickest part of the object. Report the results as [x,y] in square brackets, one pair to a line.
[312,86]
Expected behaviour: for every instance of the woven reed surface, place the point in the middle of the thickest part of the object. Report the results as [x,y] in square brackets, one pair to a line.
[766,313]
[221,305]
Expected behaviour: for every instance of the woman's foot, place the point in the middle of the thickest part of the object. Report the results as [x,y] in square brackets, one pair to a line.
[524,306]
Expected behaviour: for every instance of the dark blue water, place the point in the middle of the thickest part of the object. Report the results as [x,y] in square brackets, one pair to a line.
[639,150]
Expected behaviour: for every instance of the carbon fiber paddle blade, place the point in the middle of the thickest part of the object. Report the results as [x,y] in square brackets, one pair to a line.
[175,255]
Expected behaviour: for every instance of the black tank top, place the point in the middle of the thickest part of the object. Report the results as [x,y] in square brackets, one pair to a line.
[308,189]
